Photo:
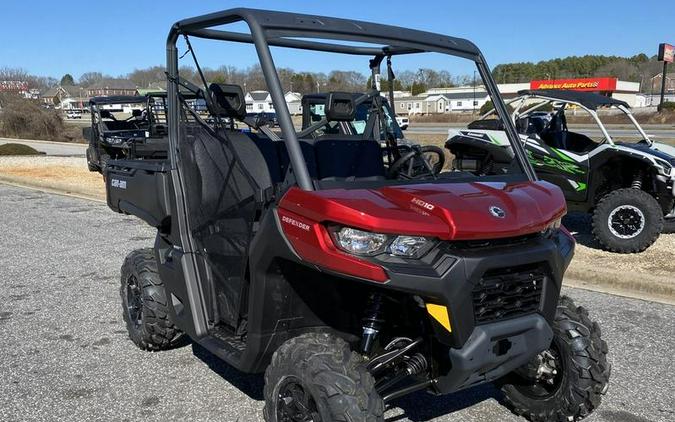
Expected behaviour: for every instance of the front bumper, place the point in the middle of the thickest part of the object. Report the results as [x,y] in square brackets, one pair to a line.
[494,350]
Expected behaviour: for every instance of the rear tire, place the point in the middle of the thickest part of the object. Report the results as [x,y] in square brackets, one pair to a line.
[328,379]
[627,221]
[145,307]
[582,372]
[668,226]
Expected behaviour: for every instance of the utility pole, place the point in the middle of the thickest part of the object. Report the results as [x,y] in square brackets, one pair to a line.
[663,85]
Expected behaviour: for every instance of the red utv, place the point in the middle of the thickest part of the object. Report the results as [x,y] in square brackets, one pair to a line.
[327,263]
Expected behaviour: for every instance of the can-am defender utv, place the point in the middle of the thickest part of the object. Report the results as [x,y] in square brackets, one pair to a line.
[627,186]
[312,260]
[123,126]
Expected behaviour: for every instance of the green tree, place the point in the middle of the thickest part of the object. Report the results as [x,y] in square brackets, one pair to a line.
[67,79]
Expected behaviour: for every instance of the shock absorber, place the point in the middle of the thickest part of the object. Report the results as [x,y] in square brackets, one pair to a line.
[416,364]
[372,322]
[637,180]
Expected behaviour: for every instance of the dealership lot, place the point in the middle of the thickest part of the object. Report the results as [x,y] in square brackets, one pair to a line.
[66,355]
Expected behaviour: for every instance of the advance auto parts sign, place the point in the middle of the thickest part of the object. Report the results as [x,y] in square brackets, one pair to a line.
[580,84]
[666,53]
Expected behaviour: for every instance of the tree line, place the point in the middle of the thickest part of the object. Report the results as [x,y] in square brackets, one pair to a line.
[638,68]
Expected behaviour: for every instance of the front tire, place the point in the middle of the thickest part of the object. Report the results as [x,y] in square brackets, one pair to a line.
[317,377]
[145,306]
[566,382]
[627,221]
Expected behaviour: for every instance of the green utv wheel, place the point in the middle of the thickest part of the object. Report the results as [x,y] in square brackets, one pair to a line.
[316,377]
[144,303]
[565,382]
[627,221]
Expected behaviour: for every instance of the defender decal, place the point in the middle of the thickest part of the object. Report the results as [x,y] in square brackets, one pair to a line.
[294,222]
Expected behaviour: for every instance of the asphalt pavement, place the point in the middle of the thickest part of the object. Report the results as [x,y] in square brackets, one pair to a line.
[65,355]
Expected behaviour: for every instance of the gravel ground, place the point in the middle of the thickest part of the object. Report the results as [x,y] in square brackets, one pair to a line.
[68,174]
[66,355]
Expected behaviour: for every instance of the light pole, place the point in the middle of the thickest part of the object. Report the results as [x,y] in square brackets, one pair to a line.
[474,92]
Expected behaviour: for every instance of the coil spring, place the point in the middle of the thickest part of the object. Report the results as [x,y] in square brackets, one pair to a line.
[637,181]
[416,364]
[371,322]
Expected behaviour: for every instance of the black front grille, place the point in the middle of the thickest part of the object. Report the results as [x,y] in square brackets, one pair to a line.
[507,293]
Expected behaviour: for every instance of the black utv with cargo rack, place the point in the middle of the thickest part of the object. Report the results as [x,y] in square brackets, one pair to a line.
[348,283]
[131,127]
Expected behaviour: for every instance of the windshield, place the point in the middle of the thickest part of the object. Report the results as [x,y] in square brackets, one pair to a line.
[315,112]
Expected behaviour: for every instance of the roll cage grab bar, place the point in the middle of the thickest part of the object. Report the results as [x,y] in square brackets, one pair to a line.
[280,29]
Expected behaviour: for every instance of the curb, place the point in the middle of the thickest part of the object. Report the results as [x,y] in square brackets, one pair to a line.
[37,141]
[53,188]
[634,285]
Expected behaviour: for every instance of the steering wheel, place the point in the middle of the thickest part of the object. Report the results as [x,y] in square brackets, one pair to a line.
[420,162]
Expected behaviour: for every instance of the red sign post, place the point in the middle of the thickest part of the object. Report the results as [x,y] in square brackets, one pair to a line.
[666,55]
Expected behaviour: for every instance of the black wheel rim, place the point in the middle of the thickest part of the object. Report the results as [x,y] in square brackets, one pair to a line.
[626,221]
[295,403]
[134,301]
[538,385]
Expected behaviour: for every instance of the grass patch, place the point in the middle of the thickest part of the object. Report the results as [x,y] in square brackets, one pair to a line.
[18,149]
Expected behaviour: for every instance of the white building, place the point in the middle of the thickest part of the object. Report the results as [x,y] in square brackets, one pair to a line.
[259,102]
[443,100]
[294,102]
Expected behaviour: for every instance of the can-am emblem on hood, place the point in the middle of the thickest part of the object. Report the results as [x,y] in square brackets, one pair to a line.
[497,212]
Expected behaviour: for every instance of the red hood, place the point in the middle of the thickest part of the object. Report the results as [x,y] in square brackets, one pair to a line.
[460,211]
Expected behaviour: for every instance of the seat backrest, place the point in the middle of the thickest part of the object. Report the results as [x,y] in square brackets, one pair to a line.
[345,158]
[270,154]
[307,148]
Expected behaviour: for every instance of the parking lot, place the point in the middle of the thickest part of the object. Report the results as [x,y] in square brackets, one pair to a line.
[66,355]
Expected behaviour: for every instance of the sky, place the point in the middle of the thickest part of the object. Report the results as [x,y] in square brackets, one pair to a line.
[51,38]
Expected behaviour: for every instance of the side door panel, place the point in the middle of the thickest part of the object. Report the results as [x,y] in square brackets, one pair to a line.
[567,170]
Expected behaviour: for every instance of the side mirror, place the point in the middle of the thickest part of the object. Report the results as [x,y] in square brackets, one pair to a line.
[228,100]
[340,107]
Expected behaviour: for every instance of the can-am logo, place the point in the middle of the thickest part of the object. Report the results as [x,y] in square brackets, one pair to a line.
[497,212]
[116,183]
[296,223]
[423,204]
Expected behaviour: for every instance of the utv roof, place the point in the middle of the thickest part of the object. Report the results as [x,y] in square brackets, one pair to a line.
[587,99]
[283,30]
[118,99]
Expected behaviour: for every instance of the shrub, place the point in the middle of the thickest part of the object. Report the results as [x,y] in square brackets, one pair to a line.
[21,118]
[668,105]
[17,149]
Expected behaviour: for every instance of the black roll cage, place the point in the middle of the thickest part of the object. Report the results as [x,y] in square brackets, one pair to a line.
[281,29]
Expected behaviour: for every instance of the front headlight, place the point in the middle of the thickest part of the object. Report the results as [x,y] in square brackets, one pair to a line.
[552,228]
[114,140]
[409,246]
[360,242]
